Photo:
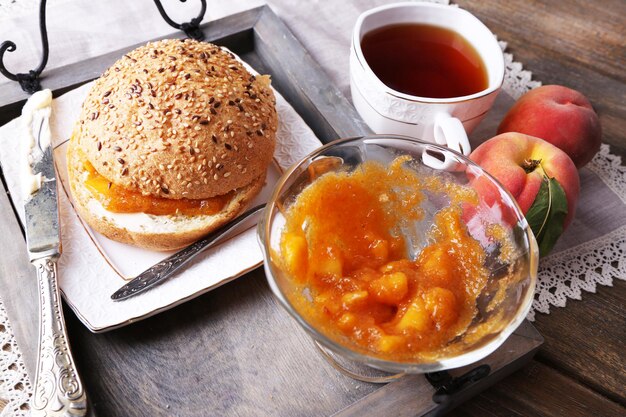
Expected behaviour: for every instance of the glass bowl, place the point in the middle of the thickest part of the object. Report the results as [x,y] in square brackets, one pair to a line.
[504,302]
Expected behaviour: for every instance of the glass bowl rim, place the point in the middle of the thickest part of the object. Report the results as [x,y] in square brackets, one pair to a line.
[263,233]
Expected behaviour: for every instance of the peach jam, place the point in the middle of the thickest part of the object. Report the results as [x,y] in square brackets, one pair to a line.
[341,242]
[117,199]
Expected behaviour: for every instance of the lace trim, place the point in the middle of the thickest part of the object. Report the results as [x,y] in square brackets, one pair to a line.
[517,80]
[610,169]
[15,387]
[564,274]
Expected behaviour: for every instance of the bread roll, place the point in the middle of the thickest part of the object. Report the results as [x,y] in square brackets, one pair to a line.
[172,120]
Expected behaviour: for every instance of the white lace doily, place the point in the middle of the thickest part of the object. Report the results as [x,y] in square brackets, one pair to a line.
[15,385]
[562,275]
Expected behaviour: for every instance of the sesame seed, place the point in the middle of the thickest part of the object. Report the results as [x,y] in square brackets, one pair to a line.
[125,171]
[117,148]
[120,160]
[99,146]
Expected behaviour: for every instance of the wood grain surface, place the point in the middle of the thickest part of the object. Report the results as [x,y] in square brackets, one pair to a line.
[580,370]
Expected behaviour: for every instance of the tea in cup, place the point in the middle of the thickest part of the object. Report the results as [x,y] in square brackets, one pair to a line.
[424,70]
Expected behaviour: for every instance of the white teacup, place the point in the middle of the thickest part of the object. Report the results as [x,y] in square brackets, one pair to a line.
[445,121]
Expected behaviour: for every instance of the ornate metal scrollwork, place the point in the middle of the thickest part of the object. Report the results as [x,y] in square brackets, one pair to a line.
[58,389]
[192,28]
[28,81]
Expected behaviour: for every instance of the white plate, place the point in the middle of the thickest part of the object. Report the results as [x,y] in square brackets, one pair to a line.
[92,267]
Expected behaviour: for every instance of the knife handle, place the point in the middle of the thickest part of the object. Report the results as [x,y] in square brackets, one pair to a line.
[58,388]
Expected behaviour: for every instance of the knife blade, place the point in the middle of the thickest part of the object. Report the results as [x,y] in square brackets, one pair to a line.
[163,270]
[58,387]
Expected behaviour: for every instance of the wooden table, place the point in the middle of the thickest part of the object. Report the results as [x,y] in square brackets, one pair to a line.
[144,368]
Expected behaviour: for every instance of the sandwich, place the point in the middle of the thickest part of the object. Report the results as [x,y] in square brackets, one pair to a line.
[173,141]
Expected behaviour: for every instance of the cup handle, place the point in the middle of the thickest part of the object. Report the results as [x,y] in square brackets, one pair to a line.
[449,131]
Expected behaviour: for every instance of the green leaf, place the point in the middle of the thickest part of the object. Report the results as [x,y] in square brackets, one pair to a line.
[547,214]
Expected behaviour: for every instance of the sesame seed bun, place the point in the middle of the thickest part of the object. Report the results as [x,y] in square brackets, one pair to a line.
[179,119]
[173,119]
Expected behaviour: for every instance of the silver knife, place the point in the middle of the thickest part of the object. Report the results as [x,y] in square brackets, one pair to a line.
[168,266]
[58,388]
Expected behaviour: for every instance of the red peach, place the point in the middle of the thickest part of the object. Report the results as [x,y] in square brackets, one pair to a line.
[559,115]
[520,162]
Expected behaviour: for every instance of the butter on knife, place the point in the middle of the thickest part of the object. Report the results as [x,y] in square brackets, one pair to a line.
[36,137]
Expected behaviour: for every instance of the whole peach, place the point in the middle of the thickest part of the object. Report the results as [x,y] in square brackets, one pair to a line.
[520,163]
[559,115]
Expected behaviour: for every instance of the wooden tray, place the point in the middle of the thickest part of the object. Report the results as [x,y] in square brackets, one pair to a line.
[233,351]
